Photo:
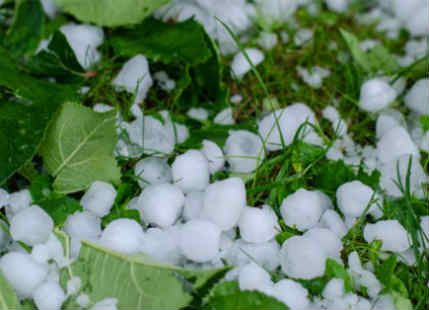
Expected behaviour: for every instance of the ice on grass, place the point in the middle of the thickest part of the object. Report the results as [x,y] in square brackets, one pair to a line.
[240,64]
[51,249]
[302,36]
[182,133]
[74,284]
[83,225]
[376,95]
[49,295]
[394,144]
[161,204]
[84,40]
[4,198]
[313,77]
[152,170]
[135,78]
[332,220]
[163,244]
[258,224]
[49,8]
[292,294]
[4,236]
[418,24]
[106,304]
[199,240]
[199,114]
[83,300]
[302,258]
[253,277]
[164,81]
[417,98]
[276,11]
[424,226]
[363,277]
[22,272]
[339,6]
[388,120]
[302,209]
[327,239]
[223,202]
[122,235]
[191,171]
[193,205]
[354,197]
[18,201]
[267,40]
[333,289]
[214,155]
[393,235]
[244,151]
[31,225]
[99,198]
[224,117]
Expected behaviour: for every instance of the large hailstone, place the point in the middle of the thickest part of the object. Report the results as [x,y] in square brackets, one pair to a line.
[31,225]
[395,143]
[17,201]
[135,78]
[240,64]
[393,235]
[83,225]
[99,198]
[49,295]
[302,258]
[388,120]
[258,224]
[122,235]
[84,40]
[292,294]
[253,277]
[161,204]
[199,240]
[353,198]
[332,220]
[302,209]
[244,151]
[326,238]
[417,98]
[152,170]
[376,95]
[191,171]
[22,272]
[163,244]
[273,12]
[223,202]
[194,202]
[214,155]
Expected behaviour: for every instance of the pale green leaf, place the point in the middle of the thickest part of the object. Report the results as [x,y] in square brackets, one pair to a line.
[78,148]
[8,299]
[358,54]
[110,13]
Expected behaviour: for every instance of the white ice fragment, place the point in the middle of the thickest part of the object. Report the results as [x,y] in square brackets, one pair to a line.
[276,11]
[393,235]
[240,64]
[293,294]
[51,249]
[418,24]
[394,144]
[102,108]
[333,289]
[424,225]
[353,198]
[214,155]
[252,277]
[388,120]
[332,220]
[49,295]
[236,98]
[49,8]
[191,171]
[376,95]
[327,239]
[152,170]
[18,201]
[74,285]
[135,78]
[199,114]
[122,235]
[4,235]
[302,36]
[106,304]
[163,244]
[99,198]
[193,205]
[164,82]
[224,201]
[417,98]
[313,77]
[83,300]
[182,133]
[267,40]
[83,225]
[258,225]
[224,117]
[4,198]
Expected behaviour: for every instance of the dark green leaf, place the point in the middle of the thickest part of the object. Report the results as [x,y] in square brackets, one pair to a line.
[40,187]
[382,60]
[385,271]
[60,208]
[333,174]
[372,180]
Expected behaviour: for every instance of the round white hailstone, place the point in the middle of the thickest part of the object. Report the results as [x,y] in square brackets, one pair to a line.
[191,171]
[339,6]
[83,225]
[267,40]
[327,239]
[182,133]
[388,120]
[4,198]
[199,114]
[193,205]
[106,304]
[18,201]
[302,258]
[163,245]
[291,293]
[31,225]
[252,277]
[389,176]
[214,155]
[236,98]
[395,143]
[424,225]
[84,40]
[240,64]
[223,202]
[418,25]
[153,135]
[135,77]
[302,209]
[199,240]
[313,77]
[276,11]
[325,200]
[257,225]
[390,232]
[376,95]
[49,295]
[51,249]
[22,272]
[384,302]
[224,117]
[164,81]
[152,170]
[122,235]
[99,198]
[161,204]
[353,198]
[417,97]
[333,289]
[4,236]
[74,285]
[83,300]
[244,151]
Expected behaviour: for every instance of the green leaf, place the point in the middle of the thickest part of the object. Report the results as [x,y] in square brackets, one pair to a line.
[78,148]
[8,298]
[385,271]
[401,302]
[332,175]
[40,188]
[424,121]
[137,281]
[228,296]
[24,35]
[60,208]
[358,54]
[283,236]
[110,13]
[23,122]
[336,270]
[382,60]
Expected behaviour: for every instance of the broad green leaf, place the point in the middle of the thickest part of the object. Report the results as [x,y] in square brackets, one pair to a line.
[401,302]
[23,122]
[8,298]
[336,270]
[110,13]
[382,60]
[358,54]
[331,175]
[60,208]
[181,42]
[385,271]
[137,281]
[78,148]
[228,295]
[25,34]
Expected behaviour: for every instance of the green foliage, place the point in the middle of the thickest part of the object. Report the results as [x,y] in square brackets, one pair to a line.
[78,148]
[8,298]
[110,13]
[358,54]
[336,270]
[229,296]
